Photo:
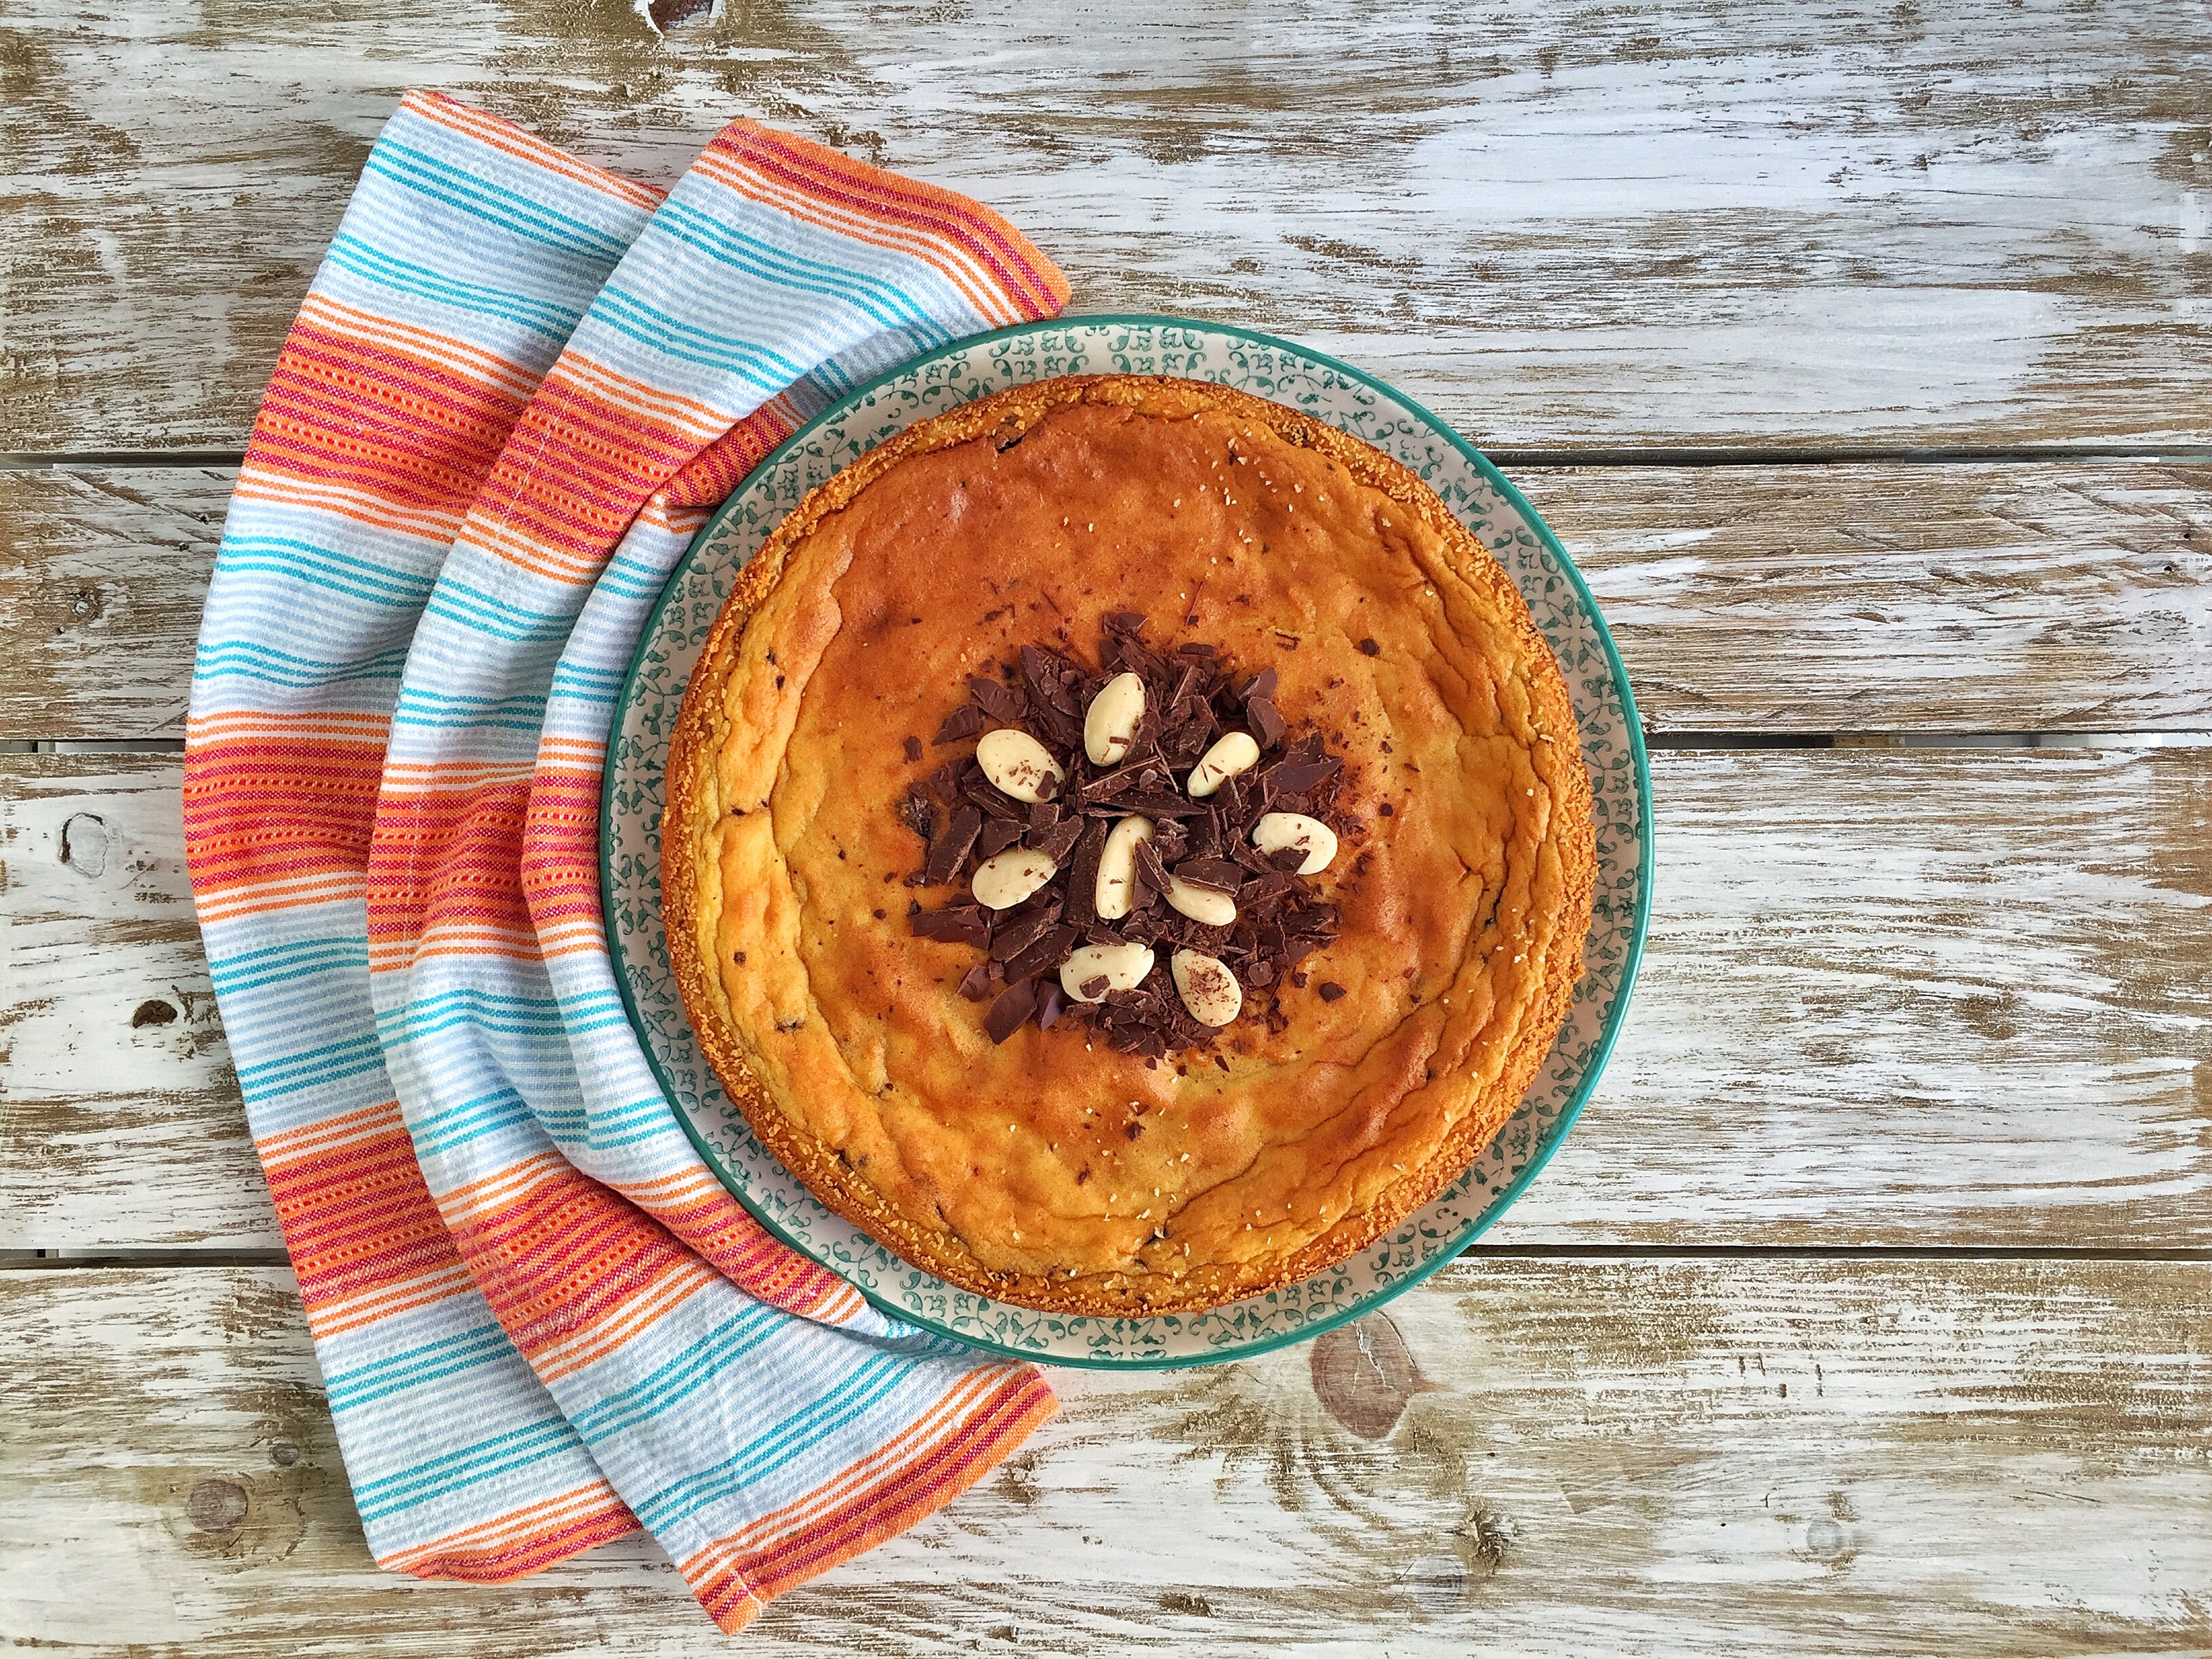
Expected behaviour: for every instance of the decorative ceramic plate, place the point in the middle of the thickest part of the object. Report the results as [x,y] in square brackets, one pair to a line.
[644,717]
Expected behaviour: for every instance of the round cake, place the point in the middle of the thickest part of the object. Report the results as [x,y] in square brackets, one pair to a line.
[1128,846]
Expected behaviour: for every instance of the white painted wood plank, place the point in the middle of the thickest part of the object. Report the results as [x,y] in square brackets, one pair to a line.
[1905,1457]
[1890,999]
[2074,596]
[1650,223]
[117,1097]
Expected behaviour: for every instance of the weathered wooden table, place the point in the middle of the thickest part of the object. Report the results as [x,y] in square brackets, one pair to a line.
[1863,356]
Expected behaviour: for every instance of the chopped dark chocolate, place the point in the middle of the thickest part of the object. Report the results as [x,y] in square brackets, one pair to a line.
[1368,647]
[1266,721]
[1107,784]
[949,850]
[1043,957]
[912,747]
[1042,671]
[1058,842]
[1151,872]
[1159,804]
[962,924]
[1001,702]
[1192,694]
[914,812]
[1082,888]
[1094,988]
[1012,1011]
[1215,875]
[1330,990]
[1233,806]
[988,796]
[1291,777]
[964,721]
[997,834]
[1009,940]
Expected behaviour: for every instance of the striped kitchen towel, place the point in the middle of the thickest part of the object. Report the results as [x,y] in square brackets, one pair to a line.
[516,388]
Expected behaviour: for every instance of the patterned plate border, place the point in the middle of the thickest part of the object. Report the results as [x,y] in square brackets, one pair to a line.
[1613,743]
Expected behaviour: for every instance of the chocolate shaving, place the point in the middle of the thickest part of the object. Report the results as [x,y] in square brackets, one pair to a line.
[1267,723]
[1012,1011]
[1042,671]
[1297,777]
[1192,694]
[1044,956]
[962,925]
[1159,804]
[988,796]
[914,812]
[1083,877]
[1012,939]
[1151,872]
[1128,775]
[964,721]
[997,834]
[1059,841]
[1000,703]
[1232,803]
[1052,1006]
[949,850]
[1216,875]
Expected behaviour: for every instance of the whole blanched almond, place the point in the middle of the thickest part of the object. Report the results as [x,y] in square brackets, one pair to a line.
[1123,967]
[1206,987]
[1117,867]
[1200,904]
[1004,880]
[1110,723]
[1232,754]
[1019,764]
[1279,832]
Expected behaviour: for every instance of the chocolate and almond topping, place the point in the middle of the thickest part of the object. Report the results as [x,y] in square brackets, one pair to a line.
[1133,845]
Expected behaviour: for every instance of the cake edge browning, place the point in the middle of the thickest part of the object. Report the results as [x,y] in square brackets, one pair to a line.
[698,738]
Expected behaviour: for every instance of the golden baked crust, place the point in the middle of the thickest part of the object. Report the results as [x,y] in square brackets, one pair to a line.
[1050,1170]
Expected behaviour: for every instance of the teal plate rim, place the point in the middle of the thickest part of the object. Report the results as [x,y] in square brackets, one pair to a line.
[1646,849]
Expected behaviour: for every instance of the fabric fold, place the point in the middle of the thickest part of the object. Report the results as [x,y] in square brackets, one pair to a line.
[517,388]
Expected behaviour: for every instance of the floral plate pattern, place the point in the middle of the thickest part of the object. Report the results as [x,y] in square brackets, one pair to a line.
[644,719]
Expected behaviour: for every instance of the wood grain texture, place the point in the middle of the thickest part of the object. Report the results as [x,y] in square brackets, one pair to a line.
[1890,999]
[117,1092]
[102,575]
[1944,1459]
[2071,596]
[1652,223]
